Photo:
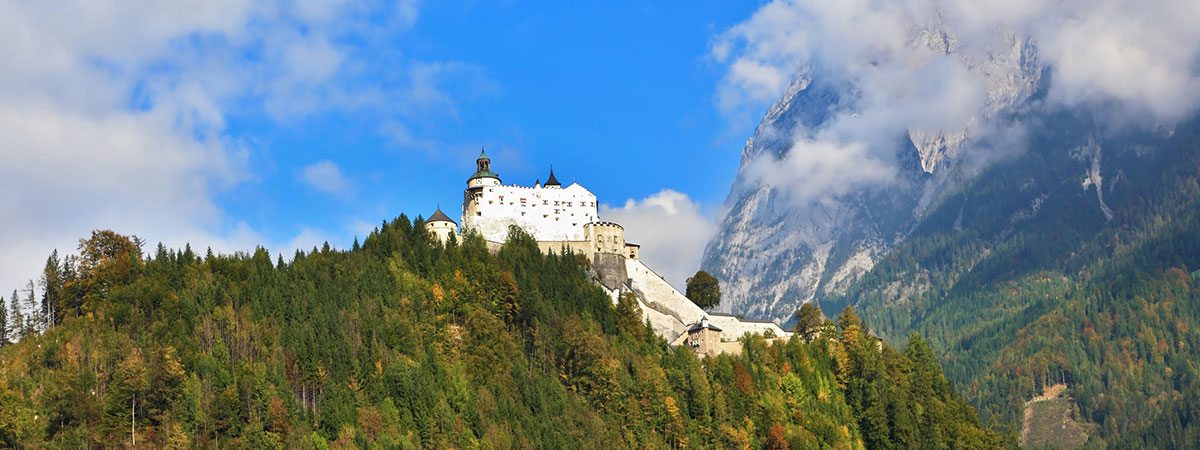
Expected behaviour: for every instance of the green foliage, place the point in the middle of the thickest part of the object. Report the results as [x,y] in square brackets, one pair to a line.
[406,343]
[704,290]
[809,320]
[1020,282]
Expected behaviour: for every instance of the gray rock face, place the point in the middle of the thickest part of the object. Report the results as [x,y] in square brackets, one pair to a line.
[773,254]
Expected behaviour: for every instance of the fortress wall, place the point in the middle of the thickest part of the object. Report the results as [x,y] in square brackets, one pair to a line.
[611,268]
[606,237]
[657,290]
[733,328]
[577,247]
[547,213]
[664,325]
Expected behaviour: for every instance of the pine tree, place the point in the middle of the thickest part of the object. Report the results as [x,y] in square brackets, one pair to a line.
[3,323]
[33,319]
[16,321]
[52,289]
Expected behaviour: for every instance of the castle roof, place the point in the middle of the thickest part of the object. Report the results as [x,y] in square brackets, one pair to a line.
[484,168]
[703,324]
[484,174]
[552,181]
[439,216]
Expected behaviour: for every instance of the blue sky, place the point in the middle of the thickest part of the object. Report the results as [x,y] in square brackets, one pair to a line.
[286,123]
[235,123]
[616,96]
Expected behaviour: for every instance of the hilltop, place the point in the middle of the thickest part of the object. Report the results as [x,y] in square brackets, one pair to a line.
[403,342]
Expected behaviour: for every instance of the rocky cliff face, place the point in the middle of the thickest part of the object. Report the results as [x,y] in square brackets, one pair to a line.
[773,254]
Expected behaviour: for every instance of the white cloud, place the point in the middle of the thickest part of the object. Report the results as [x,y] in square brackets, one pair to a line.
[325,176]
[113,115]
[671,228]
[820,170]
[894,71]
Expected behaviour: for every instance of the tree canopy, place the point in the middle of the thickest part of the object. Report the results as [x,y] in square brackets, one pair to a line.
[403,342]
[704,290]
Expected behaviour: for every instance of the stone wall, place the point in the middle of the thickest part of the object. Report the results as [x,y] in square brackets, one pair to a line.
[733,328]
[606,237]
[611,269]
[560,247]
[660,295]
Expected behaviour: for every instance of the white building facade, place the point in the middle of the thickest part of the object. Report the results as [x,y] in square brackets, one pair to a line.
[549,212]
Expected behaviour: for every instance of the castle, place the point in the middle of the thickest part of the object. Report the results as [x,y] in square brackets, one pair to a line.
[563,219]
[559,218]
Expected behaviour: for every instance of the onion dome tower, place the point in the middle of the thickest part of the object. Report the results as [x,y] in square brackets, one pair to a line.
[483,172]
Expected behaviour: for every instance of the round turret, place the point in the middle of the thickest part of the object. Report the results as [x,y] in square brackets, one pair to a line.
[605,237]
[441,226]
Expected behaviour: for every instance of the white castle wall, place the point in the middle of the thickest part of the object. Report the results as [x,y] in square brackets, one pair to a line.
[663,324]
[658,291]
[733,328]
[547,213]
[442,230]
[660,296]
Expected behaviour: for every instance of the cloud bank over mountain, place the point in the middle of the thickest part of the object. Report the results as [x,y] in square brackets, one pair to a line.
[922,66]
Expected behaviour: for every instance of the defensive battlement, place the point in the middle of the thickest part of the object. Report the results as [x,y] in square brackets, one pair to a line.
[604,224]
[530,188]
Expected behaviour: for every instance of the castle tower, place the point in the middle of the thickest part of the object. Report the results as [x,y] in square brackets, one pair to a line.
[549,212]
[605,237]
[483,173]
[441,226]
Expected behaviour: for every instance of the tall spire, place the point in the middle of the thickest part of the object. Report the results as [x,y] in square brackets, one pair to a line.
[552,181]
[483,153]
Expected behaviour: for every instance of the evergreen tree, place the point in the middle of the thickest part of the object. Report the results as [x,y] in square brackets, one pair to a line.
[3,323]
[33,310]
[405,343]
[52,288]
[16,320]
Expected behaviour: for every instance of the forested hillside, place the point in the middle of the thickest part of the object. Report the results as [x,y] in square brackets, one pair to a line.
[404,343]
[1024,280]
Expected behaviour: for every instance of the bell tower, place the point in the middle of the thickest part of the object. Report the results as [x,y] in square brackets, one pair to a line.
[483,173]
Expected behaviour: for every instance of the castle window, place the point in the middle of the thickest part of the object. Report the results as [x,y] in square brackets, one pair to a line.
[479,213]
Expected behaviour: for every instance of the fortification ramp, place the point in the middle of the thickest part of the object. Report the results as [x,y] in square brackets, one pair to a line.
[658,294]
[664,325]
